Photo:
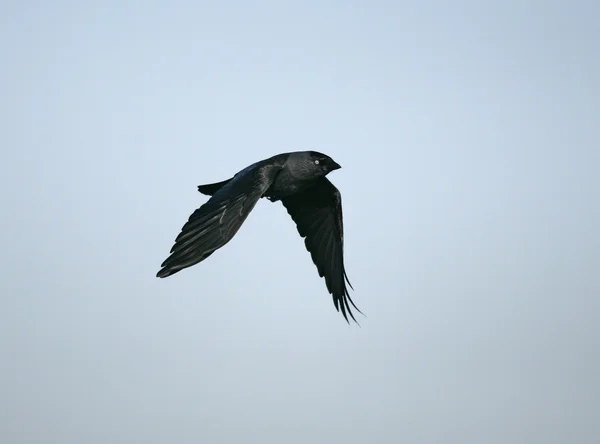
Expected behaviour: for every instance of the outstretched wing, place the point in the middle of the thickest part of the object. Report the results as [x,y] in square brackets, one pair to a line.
[215,223]
[317,212]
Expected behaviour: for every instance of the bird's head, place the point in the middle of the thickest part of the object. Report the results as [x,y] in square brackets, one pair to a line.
[322,163]
[310,165]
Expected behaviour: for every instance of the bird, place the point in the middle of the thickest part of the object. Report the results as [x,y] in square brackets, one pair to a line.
[296,179]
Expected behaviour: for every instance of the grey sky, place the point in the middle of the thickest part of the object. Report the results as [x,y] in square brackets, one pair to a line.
[468,133]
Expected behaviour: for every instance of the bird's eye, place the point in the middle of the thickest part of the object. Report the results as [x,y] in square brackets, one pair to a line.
[317,162]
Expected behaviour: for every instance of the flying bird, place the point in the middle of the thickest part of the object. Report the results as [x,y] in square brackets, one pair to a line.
[297,179]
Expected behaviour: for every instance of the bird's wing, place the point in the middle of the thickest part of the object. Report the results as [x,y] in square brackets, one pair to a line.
[317,212]
[215,223]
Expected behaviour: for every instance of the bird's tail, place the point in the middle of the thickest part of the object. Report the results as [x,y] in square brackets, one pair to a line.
[212,188]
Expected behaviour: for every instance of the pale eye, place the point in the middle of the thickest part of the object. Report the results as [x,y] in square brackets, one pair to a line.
[317,162]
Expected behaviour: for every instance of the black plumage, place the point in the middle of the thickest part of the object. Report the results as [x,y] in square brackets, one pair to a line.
[296,179]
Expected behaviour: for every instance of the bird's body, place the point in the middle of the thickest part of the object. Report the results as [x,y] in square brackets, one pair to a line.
[296,179]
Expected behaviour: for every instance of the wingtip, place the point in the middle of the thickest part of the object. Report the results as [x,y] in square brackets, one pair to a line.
[163,273]
[343,306]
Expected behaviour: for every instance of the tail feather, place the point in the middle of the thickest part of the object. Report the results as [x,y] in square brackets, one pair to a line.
[212,188]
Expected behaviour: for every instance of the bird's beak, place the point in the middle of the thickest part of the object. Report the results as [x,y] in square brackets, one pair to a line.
[335,166]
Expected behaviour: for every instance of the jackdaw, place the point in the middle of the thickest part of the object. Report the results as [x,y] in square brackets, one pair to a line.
[297,179]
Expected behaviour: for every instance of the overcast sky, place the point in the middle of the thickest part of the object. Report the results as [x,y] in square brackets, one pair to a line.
[469,135]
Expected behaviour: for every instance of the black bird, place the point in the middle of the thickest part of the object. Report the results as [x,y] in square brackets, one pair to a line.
[296,179]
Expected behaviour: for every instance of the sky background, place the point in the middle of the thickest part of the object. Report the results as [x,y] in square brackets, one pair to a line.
[469,136]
